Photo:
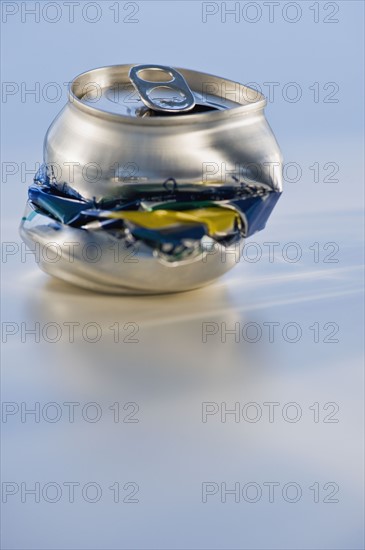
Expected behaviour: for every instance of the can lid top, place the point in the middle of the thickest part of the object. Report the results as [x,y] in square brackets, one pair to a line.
[159,94]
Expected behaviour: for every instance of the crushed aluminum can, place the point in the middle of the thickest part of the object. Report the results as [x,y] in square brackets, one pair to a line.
[136,139]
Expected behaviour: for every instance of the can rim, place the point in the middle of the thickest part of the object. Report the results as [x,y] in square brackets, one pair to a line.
[258,104]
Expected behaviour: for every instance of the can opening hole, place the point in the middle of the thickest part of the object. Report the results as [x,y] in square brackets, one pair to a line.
[199,108]
[155,75]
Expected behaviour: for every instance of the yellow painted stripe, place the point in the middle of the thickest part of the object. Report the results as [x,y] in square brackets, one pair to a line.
[219,220]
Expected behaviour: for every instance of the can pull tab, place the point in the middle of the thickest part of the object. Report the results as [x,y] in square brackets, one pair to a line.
[162,88]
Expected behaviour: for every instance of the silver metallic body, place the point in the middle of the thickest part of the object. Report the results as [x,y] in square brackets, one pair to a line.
[107,143]
[104,153]
[98,261]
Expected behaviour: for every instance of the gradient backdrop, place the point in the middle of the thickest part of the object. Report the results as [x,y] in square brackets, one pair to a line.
[131,444]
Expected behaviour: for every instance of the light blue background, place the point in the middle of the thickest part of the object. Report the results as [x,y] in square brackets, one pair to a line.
[172,33]
[170,452]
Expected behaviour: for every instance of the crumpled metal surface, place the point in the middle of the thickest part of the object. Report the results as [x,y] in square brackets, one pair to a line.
[181,238]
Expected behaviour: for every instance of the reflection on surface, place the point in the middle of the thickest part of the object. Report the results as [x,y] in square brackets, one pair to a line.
[171,392]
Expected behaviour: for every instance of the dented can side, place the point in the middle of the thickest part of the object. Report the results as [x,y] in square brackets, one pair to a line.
[105,154]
